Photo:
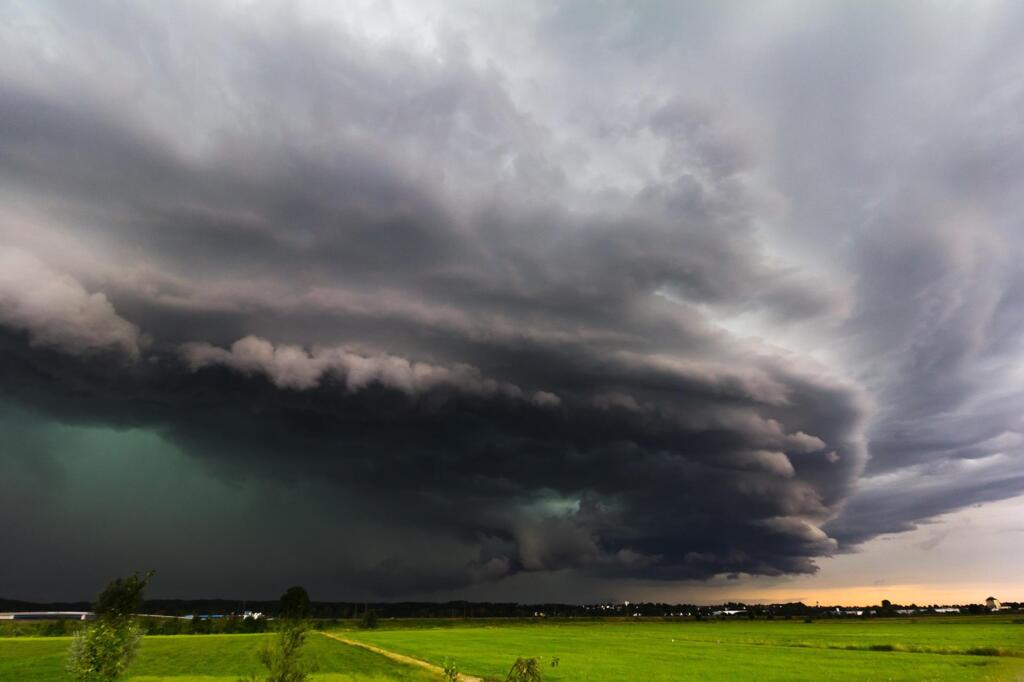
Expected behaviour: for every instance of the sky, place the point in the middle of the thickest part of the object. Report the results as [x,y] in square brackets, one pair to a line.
[574,301]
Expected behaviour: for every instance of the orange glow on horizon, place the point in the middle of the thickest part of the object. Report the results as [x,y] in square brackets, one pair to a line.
[871,595]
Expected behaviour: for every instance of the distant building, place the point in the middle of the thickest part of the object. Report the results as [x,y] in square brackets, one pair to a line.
[993,604]
[47,615]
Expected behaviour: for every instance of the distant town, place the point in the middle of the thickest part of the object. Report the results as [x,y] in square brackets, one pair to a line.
[217,609]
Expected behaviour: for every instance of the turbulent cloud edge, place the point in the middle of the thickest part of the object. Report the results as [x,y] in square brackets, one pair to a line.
[57,312]
[293,367]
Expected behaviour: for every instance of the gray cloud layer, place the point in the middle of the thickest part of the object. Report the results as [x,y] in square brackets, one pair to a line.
[653,292]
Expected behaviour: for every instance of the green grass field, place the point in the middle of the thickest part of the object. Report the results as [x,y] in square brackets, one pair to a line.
[202,657]
[883,649]
[928,648]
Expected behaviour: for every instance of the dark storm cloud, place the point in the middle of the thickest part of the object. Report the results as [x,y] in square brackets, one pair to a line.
[586,480]
[921,186]
[306,256]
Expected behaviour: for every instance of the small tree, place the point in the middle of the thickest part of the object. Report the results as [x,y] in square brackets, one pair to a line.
[103,650]
[282,656]
[524,670]
[369,620]
[123,597]
[451,673]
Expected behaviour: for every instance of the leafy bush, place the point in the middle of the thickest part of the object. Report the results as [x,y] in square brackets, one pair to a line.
[451,673]
[103,650]
[282,657]
[200,626]
[524,670]
[55,628]
[163,626]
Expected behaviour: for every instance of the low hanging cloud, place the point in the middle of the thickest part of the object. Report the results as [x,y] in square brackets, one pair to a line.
[57,312]
[293,367]
[496,315]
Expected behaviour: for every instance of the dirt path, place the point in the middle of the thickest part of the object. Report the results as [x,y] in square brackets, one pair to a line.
[401,658]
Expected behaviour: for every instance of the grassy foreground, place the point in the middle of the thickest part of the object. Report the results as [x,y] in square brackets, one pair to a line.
[208,658]
[883,649]
[930,648]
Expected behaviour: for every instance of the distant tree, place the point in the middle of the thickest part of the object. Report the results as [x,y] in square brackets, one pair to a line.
[295,604]
[369,620]
[103,650]
[123,597]
[200,626]
[55,628]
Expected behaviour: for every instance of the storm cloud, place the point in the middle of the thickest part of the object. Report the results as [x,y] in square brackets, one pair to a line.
[651,292]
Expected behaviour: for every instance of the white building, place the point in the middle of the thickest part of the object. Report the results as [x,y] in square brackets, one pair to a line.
[47,615]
